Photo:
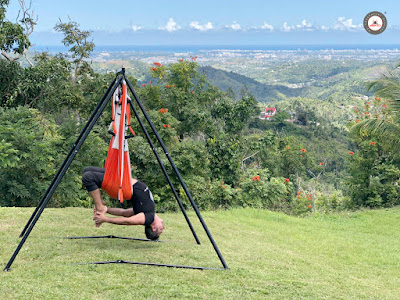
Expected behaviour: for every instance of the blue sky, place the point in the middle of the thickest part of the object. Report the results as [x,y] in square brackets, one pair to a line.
[216,21]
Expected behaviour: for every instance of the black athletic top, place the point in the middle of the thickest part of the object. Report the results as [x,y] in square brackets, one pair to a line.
[142,201]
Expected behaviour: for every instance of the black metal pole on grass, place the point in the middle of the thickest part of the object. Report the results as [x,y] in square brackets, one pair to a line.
[66,159]
[164,171]
[149,264]
[62,173]
[177,174]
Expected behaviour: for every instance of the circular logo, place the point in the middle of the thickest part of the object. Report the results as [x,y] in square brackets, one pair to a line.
[375,22]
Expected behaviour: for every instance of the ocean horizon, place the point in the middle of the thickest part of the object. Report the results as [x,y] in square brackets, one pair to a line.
[200,48]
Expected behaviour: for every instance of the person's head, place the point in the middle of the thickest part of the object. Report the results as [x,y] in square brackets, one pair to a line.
[154,231]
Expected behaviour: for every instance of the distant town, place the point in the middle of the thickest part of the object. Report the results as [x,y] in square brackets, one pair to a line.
[207,57]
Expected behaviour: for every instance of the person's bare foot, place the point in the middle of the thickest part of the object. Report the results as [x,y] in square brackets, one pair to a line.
[102,210]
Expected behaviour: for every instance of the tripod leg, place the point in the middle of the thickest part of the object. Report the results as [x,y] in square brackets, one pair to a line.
[177,174]
[66,159]
[53,186]
[165,172]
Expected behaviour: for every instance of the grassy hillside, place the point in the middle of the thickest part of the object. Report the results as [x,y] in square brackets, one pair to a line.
[337,81]
[236,82]
[270,255]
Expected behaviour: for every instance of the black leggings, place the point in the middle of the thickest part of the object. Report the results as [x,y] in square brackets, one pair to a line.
[92,178]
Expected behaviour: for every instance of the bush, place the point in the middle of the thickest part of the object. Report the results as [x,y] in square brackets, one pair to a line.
[262,191]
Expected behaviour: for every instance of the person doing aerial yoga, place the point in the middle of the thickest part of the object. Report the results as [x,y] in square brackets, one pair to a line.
[116,179]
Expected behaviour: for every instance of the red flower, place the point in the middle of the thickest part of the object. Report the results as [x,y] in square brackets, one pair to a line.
[301,155]
[357,121]
[372,143]
[162,111]
[303,150]
[143,84]
[181,59]
[309,206]
[192,92]
[169,126]
[287,180]
[173,85]
[287,147]
[351,152]
[165,125]
[321,163]
[223,187]
[168,86]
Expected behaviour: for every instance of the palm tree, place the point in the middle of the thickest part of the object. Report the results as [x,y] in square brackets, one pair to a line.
[387,128]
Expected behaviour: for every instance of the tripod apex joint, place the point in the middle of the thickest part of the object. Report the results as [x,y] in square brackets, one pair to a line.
[122,72]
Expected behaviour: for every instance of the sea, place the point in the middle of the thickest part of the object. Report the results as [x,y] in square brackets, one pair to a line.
[200,48]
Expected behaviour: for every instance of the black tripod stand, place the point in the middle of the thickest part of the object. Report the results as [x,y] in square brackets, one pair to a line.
[74,150]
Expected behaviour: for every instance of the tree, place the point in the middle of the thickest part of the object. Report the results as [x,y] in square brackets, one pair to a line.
[14,37]
[381,119]
[81,46]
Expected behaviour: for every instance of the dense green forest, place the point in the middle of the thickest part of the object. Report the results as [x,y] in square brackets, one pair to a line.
[327,148]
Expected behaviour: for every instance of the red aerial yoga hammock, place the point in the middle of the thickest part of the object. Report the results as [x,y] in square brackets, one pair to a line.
[117,180]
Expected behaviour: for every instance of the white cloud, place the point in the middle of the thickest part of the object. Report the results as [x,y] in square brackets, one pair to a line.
[305,26]
[267,26]
[345,24]
[234,26]
[170,26]
[205,27]
[136,27]
[286,27]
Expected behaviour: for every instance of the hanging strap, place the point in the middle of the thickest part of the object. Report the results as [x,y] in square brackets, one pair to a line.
[128,118]
[113,128]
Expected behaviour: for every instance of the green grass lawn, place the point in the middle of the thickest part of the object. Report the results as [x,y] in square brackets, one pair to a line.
[270,255]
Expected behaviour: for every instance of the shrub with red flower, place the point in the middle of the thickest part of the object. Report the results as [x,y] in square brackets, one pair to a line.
[256,178]
[372,143]
[163,110]
[373,110]
[351,152]
[287,180]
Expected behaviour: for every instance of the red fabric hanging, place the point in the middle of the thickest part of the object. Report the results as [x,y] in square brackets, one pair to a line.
[117,180]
